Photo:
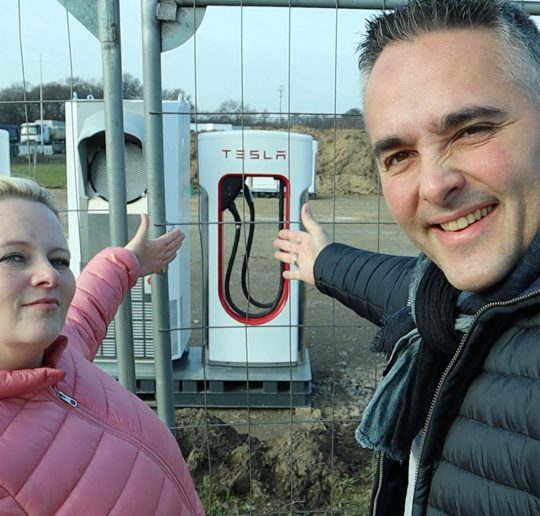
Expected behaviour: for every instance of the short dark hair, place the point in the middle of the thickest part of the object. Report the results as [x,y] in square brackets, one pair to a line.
[514,31]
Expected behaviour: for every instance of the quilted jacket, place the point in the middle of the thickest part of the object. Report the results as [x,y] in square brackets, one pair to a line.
[73,441]
[480,452]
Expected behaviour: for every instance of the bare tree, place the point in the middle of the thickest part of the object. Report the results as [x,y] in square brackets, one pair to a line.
[351,119]
[12,107]
[236,113]
[132,87]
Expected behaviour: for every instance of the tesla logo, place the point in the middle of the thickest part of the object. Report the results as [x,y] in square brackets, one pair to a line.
[254,154]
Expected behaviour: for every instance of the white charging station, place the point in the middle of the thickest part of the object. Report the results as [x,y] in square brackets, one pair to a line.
[5,161]
[88,211]
[234,337]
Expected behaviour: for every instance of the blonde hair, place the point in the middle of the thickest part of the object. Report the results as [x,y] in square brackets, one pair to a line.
[27,189]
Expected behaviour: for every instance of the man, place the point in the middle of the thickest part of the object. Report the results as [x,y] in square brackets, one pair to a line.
[452,110]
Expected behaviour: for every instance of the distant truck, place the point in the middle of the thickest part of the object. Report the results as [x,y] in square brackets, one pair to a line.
[43,136]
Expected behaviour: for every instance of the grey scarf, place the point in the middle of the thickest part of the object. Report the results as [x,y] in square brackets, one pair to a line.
[421,339]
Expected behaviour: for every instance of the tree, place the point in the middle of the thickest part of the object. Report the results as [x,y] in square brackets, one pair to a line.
[84,88]
[12,107]
[132,87]
[236,113]
[174,94]
[351,119]
[263,119]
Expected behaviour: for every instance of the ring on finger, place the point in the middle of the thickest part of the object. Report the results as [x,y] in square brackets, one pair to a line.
[294,260]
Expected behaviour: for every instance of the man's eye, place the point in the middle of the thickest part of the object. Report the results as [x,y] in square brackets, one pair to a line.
[396,159]
[475,130]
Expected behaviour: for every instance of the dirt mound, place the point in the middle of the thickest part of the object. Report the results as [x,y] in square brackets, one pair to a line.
[214,448]
[345,164]
[294,467]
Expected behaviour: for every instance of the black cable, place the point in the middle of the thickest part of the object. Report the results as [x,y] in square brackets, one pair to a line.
[249,244]
[230,265]
[230,205]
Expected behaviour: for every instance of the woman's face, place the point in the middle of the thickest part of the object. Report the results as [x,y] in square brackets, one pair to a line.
[36,284]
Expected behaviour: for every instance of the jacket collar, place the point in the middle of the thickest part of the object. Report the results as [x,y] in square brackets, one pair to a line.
[25,381]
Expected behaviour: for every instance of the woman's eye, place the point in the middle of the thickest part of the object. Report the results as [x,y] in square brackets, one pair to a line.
[60,263]
[15,258]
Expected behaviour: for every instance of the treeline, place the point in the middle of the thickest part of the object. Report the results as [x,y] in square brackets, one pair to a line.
[236,113]
[19,104]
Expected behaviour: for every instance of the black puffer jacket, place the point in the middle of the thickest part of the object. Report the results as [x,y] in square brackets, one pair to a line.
[481,451]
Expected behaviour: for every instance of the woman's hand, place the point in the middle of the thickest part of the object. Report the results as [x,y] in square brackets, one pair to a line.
[154,255]
[301,248]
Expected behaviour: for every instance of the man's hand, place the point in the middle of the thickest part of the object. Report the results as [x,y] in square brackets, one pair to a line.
[301,248]
[154,255]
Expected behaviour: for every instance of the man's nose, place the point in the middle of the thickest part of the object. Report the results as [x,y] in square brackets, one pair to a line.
[439,179]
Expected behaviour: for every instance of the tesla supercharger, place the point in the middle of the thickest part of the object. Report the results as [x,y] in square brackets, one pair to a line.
[229,161]
[88,211]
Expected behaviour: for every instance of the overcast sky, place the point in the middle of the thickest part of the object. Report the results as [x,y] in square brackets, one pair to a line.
[240,53]
[237,53]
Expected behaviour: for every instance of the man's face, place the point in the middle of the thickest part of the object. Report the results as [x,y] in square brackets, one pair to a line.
[458,150]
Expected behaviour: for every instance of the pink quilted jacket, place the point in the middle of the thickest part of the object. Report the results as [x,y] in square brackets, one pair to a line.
[72,440]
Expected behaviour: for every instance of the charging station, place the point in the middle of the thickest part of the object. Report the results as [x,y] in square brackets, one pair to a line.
[5,161]
[253,340]
[88,213]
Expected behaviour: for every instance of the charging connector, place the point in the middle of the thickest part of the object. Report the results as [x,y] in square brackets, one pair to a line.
[230,188]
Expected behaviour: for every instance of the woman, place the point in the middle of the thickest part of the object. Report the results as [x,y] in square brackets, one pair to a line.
[72,439]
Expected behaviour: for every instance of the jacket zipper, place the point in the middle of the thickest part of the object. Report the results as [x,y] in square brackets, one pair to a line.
[450,365]
[124,435]
[379,484]
[67,399]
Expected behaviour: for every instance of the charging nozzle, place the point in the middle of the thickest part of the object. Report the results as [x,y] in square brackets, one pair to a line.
[230,188]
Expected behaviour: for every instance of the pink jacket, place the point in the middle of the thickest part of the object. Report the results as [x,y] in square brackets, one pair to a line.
[73,441]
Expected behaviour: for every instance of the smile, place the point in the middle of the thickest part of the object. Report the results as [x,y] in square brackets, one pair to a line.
[44,301]
[467,220]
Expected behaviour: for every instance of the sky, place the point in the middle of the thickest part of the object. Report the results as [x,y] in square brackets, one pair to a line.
[247,54]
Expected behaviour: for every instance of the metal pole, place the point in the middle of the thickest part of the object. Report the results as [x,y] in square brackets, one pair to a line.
[333,4]
[153,154]
[280,91]
[530,7]
[109,36]
[41,101]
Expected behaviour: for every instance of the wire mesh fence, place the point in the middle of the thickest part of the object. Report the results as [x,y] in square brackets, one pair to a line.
[266,427]
[269,379]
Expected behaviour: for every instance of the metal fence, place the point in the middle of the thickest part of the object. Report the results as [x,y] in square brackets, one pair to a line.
[261,436]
